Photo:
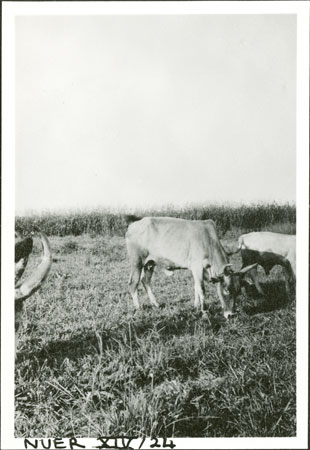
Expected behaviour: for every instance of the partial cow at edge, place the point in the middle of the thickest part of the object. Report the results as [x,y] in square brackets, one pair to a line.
[269,249]
[27,287]
[173,244]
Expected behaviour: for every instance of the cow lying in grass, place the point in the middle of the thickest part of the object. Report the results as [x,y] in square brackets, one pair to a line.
[181,244]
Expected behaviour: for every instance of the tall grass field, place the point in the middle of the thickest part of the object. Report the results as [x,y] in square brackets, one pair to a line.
[110,223]
[89,365]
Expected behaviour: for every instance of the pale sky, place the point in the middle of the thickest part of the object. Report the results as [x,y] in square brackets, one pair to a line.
[148,110]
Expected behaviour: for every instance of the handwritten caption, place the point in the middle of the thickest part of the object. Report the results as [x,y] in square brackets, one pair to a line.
[112,442]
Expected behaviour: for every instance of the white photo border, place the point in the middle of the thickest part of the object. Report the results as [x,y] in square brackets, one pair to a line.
[12,9]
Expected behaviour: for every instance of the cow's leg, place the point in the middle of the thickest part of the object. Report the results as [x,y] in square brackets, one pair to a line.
[197,299]
[252,274]
[148,270]
[134,282]
[290,281]
[198,274]
[207,273]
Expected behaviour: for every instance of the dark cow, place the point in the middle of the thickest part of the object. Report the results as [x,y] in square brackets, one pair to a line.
[269,249]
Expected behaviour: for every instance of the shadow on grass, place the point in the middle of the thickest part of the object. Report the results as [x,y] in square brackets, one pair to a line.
[74,348]
[165,322]
[170,321]
[275,299]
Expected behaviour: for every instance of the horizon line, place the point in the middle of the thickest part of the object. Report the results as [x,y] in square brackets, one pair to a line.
[123,209]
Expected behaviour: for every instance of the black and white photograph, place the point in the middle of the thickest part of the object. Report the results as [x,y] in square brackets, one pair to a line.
[155,179]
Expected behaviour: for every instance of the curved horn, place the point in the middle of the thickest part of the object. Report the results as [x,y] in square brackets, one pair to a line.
[34,281]
[246,269]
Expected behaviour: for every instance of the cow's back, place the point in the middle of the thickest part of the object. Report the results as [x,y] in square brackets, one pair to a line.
[265,241]
[177,240]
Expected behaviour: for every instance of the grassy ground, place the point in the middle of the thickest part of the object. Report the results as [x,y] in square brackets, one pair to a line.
[89,365]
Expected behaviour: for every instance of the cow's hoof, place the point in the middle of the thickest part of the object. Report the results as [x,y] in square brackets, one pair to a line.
[156,305]
[205,317]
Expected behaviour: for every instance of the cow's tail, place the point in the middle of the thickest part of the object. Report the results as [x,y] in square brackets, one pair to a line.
[129,218]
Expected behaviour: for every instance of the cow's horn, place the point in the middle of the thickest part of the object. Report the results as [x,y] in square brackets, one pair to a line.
[35,279]
[246,269]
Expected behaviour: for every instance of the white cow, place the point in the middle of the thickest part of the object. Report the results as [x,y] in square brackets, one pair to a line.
[181,244]
[269,249]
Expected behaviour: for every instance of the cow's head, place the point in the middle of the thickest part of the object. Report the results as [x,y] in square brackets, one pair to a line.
[229,286]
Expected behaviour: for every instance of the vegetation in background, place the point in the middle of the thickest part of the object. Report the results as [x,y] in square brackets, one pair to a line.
[107,223]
